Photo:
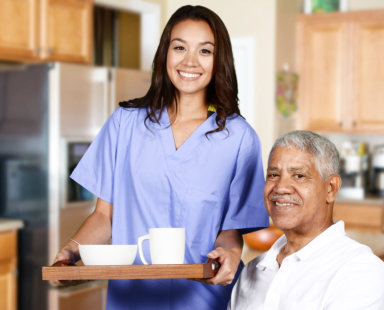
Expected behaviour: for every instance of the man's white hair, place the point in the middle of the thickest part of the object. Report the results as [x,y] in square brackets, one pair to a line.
[327,157]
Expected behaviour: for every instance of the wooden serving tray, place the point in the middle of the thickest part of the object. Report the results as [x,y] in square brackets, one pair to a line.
[189,271]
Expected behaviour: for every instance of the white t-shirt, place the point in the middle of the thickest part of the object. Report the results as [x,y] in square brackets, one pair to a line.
[331,272]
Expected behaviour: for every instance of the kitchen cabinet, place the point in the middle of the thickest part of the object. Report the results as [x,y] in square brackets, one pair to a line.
[69,31]
[340,62]
[361,216]
[46,30]
[8,270]
[19,24]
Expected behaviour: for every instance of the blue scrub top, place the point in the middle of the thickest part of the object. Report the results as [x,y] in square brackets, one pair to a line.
[210,183]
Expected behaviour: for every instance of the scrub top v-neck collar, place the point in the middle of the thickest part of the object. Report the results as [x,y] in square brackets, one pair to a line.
[168,141]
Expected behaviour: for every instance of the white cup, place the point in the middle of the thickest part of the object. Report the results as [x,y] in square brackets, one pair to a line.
[166,245]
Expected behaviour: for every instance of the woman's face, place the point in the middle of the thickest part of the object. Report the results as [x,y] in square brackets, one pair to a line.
[190,56]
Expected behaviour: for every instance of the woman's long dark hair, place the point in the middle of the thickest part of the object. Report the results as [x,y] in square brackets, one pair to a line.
[222,89]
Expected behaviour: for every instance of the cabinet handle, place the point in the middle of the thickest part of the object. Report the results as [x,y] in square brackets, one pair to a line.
[37,50]
[49,51]
[354,123]
[340,124]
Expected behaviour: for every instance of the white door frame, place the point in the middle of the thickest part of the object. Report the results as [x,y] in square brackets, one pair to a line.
[244,55]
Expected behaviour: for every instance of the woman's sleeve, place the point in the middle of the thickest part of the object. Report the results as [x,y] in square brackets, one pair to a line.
[95,171]
[246,210]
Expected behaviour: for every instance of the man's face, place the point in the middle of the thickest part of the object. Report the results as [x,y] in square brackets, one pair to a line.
[295,194]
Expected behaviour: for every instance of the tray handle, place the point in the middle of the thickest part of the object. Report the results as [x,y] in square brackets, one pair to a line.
[211,267]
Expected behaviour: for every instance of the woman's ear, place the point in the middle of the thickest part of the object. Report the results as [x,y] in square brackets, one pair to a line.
[333,187]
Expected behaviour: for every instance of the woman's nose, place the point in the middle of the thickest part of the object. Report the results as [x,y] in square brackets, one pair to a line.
[190,59]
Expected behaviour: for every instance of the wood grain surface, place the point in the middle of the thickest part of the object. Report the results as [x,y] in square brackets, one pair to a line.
[190,271]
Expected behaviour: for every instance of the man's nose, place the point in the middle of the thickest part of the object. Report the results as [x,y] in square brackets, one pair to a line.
[283,186]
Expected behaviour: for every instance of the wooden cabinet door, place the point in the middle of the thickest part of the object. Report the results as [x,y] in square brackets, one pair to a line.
[8,263]
[19,34]
[340,60]
[69,31]
[8,285]
[360,217]
[368,72]
[322,66]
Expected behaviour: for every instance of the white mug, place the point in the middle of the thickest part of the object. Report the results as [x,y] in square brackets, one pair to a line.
[166,245]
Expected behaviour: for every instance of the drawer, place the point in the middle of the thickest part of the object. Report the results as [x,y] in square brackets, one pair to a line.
[369,218]
[8,245]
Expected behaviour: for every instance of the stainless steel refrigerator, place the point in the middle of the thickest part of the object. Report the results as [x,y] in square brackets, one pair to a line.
[49,114]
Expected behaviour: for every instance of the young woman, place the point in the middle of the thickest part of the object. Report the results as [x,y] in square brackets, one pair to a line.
[181,156]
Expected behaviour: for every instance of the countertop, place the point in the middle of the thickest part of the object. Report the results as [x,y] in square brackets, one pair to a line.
[9,224]
[367,200]
[248,254]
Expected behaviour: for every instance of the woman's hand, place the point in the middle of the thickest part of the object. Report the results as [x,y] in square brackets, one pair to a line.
[227,253]
[96,229]
[67,256]
[229,260]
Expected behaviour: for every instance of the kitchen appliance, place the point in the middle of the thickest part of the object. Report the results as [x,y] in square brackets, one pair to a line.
[72,192]
[24,173]
[377,173]
[353,170]
[49,115]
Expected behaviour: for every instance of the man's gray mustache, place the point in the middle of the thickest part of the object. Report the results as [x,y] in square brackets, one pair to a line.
[288,198]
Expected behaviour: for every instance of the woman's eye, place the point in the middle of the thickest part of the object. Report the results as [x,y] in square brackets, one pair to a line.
[179,48]
[206,51]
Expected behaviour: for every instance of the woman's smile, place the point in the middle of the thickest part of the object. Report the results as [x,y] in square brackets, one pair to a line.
[189,75]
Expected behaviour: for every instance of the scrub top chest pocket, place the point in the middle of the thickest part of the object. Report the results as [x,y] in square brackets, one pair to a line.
[202,215]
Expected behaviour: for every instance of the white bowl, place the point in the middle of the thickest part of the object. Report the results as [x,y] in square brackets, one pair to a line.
[97,254]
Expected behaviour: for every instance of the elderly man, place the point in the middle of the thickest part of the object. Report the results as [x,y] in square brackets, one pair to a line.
[314,265]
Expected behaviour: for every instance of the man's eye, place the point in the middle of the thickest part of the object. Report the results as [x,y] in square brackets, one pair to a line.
[273,175]
[299,176]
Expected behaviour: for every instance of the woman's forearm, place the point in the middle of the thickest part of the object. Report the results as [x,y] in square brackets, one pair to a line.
[230,239]
[96,229]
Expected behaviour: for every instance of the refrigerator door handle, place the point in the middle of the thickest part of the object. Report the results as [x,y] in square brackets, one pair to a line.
[100,94]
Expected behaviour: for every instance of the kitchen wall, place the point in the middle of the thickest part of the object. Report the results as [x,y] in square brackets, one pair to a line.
[286,12]
[355,5]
